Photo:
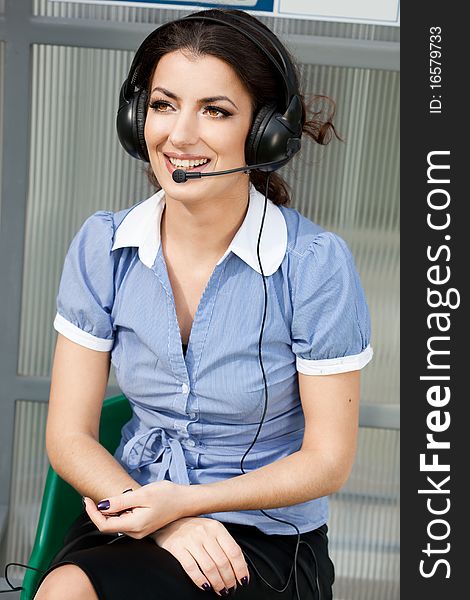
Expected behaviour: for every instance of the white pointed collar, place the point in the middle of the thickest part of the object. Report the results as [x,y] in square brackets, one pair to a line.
[141,228]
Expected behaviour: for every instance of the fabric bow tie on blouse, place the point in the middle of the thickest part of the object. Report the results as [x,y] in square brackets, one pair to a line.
[138,453]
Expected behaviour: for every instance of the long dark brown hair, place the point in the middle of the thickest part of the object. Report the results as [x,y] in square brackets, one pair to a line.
[259,75]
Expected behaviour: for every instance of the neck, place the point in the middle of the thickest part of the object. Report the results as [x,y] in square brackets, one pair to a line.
[202,231]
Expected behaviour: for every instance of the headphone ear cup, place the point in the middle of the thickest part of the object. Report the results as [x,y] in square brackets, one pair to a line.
[140,116]
[258,126]
[130,123]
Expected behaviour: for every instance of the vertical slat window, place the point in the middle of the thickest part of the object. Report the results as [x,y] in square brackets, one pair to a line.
[29,470]
[364,524]
[76,168]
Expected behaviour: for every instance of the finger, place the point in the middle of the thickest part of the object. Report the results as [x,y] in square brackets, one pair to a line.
[125,492]
[117,504]
[209,576]
[95,515]
[235,555]
[222,563]
[206,567]
[126,522]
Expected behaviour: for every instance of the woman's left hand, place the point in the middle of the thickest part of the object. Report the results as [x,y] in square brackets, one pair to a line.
[150,507]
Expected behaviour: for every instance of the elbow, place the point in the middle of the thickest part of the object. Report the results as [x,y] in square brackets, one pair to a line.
[54,450]
[338,480]
[342,471]
[56,442]
[60,446]
[51,445]
[337,470]
[57,451]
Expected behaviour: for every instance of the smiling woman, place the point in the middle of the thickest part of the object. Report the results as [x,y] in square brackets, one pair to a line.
[237,328]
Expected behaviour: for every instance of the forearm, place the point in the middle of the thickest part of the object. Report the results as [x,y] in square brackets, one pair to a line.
[299,477]
[88,467]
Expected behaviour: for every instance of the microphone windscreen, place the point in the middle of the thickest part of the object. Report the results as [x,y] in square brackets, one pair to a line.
[179,176]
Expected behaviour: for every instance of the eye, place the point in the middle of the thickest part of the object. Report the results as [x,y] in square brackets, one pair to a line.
[160,106]
[217,113]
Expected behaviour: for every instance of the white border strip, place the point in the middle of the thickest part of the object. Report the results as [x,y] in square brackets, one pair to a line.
[331,366]
[77,335]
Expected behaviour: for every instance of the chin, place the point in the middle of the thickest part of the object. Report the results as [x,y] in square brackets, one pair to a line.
[184,191]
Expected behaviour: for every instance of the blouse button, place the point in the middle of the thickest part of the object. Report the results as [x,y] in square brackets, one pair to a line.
[184,388]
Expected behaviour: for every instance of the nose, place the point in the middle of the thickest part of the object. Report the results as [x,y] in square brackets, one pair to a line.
[185,129]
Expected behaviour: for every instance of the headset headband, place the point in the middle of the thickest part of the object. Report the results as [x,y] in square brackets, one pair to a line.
[287,73]
[276,130]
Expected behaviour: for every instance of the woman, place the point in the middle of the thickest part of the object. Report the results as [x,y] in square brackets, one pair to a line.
[170,291]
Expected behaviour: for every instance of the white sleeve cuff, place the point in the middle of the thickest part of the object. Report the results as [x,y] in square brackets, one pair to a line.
[77,335]
[331,366]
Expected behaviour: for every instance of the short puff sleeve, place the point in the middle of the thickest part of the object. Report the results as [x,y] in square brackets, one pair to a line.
[330,321]
[86,289]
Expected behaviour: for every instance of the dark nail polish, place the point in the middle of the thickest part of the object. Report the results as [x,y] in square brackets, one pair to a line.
[231,590]
[224,592]
[103,505]
[206,586]
[83,502]
[244,581]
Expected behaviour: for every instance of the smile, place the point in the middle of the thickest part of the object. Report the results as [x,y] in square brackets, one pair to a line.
[187,165]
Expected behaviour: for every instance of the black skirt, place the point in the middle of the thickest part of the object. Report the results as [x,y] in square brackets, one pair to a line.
[123,567]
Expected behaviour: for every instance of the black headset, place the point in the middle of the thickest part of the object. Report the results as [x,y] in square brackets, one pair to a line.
[276,129]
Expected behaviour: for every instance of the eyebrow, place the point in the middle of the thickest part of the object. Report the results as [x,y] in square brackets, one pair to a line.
[201,100]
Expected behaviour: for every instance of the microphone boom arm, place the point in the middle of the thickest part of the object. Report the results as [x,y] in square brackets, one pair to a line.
[180,175]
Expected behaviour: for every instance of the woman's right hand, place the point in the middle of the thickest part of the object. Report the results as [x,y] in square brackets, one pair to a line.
[206,551]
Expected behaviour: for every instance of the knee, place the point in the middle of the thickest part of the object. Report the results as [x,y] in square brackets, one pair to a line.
[66,581]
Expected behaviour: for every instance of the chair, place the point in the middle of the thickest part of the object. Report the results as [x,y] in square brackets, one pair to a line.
[62,504]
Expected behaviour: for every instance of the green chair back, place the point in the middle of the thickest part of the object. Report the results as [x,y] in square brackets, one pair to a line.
[62,504]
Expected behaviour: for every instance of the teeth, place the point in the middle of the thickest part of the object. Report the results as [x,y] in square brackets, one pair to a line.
[187,163]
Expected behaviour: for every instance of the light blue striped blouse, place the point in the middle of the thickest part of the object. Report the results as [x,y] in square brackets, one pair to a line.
[194,416]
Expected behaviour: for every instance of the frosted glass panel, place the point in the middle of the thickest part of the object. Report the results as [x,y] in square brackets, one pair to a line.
[77,167]
[29,471]
[364,525]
